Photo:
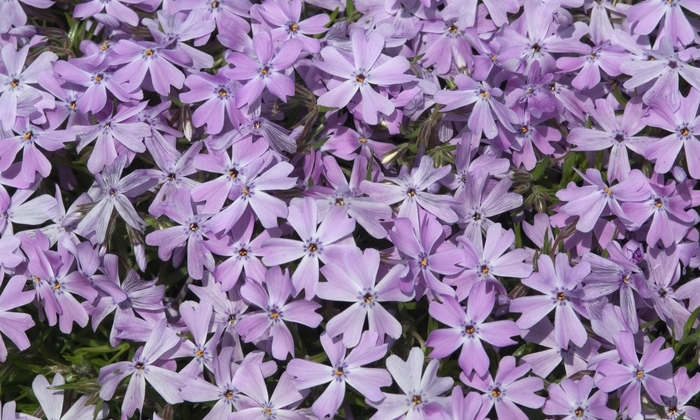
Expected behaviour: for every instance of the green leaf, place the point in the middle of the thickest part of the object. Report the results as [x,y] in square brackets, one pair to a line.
[689,323]
[349,9]
[323,109]
[538,171]
[619,96]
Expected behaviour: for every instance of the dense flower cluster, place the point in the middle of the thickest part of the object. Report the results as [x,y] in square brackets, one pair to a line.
[384,209]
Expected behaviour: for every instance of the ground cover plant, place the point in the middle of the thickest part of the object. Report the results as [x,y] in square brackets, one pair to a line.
[338,209]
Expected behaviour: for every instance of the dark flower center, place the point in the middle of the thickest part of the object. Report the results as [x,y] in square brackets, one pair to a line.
[619,137]
[484,94]
[662,293]
[265,70]
[28,135]
[274,314]
[672,64]
[626,278]
[140,366]
[229,394]
[524,129]
[232,173]
[417,400]
[360,78]
[658,202]
[72,104]
[148,52]
[453,29]
[223,93]
[685,131]
[200,353]
[476,217]
[171,176]
[293,27]
[485,269]
[256,125]
[469,329]
[367,298]
[14,83]
[312,248]
[214,4]
[561,296]
[339,202]
[232,319]
[579,412]
[194,227]
[495,392]
[243,252]
[339,371]
[640,374]
[536,48]
[673,410]
[411,192]
[424,262]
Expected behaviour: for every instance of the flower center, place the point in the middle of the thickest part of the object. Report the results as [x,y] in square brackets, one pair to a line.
[140,366]
[607,191]
[640,374]
[293,27]
[312,248]
[172,176]
[536,48]
[453,29]
[148,52]
[658,202]
[256,125]
[245,191]
[267,411]
[367,298]
[274,314]
[232,173]
[485,269]
[265,71]
[579,412]
[223,93]
[243,252]
[672,64]
[229,394]
[339,371]
[232,319]
[57,286]
[363,140]
[98,78]
[14,83]
[685,131]
[524,129]
[662,293]
[411,192]
[28,135]
[476,217]
[626,278]
[484,94]
[495,392]
[72,104]
[561,296]
[672,410]
[214,4]
[417,400]
[424,262]
[360,78]
[339,202]
[469,329]
[619,137]
[200,353]
[194,227]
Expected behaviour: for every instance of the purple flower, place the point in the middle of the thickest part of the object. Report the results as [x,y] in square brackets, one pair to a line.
[607,57]
[477,204]
[684,126]
[686,389]
[18,210]
[285,21]
[617,135]
[172,172]
[145,366]
[483,97]
[115,9]
[172,30]
[114,193]
[250,382]
[562,292]
[223,391]
[149,57]
[275,310]
[647,15]
[571,399]
[51,401]
[354,281]
[13,15]
[198,318]
[651,372]
[409,190]
[367,70]
[468,328]
[253,193]
[664,272]
[506,390]
[267,71]
[344,369]
[428,255]
[219,94]
[192,230]
[589,202]
[490,262]
[326,243]
[97,81]
[242,252]
[129,136]
[12,324]
[420,388]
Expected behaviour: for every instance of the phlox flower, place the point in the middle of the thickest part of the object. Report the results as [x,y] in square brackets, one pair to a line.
[145,366]
[652,372]
[421,389]
[368,69]
[344,369]
[13,324]
[51,402]
[562,292]
[219,94]
[281,405]
[285,21]
[468,329]
[353,280]
[273,300]
[571,399]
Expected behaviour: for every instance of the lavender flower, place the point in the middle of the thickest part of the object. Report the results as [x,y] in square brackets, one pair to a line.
[571,399]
